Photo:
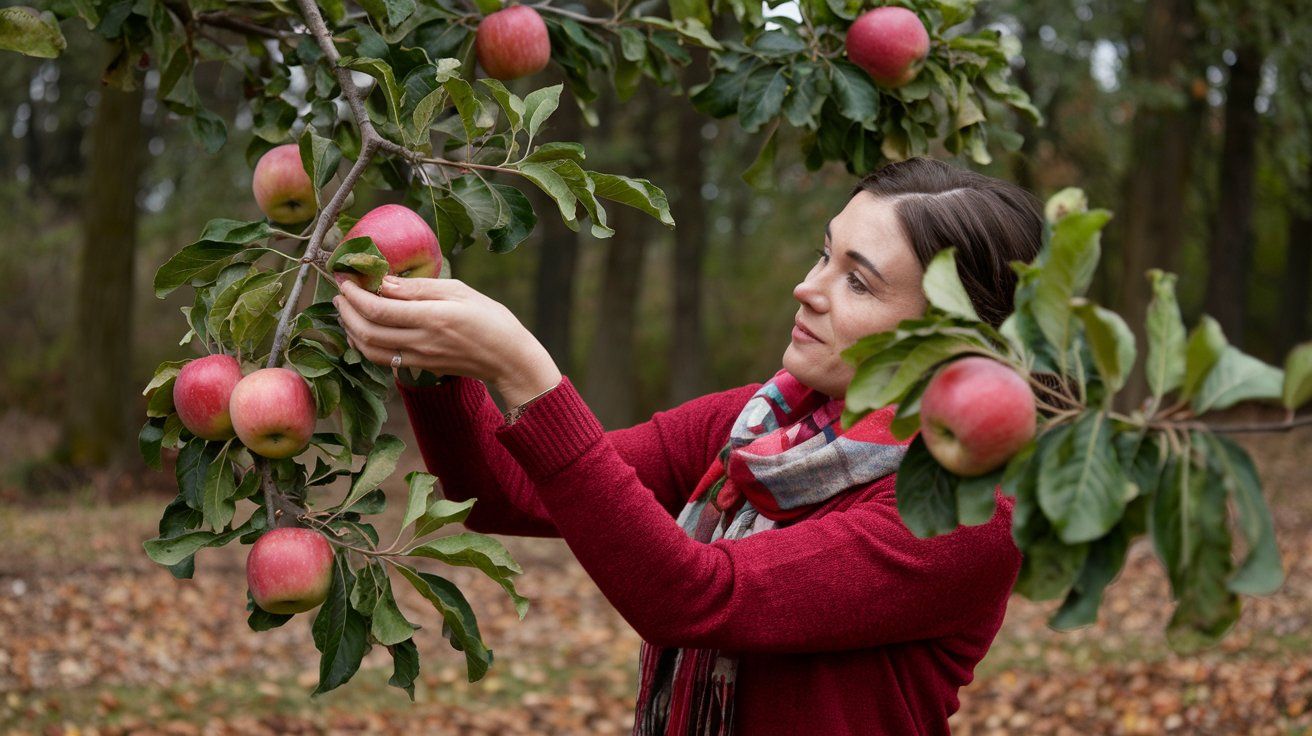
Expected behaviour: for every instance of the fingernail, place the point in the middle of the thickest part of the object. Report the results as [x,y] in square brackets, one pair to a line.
[391,280]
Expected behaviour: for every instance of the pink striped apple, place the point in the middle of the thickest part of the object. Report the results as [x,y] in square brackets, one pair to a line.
[289,570]
[201,393]
[282,188]
[975,414]
[512,43]
[404,239]
[890,43]
[273,412]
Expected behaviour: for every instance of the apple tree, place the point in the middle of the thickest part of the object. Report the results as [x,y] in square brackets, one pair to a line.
[391,95]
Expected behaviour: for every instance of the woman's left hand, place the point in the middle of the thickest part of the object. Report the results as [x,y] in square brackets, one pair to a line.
[449,328]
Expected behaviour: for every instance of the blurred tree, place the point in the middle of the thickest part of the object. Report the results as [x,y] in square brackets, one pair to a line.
[97,413]
[686,172]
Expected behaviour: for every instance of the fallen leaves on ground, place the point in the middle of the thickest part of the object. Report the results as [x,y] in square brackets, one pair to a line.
[96,639]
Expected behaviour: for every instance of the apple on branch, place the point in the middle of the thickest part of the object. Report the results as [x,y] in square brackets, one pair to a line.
[289,570]
[512,43]
[273,412]
[401,236]
[890,44]
[282,189]
[201,394]
[975,414]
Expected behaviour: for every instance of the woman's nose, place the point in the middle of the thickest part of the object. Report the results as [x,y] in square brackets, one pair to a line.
[809,293]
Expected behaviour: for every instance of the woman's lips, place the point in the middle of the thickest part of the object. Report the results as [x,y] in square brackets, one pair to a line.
[801,334]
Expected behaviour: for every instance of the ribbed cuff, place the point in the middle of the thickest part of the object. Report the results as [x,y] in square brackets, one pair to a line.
[434,409]
[552,433]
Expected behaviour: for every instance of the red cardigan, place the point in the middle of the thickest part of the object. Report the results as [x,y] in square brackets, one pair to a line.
[844,623]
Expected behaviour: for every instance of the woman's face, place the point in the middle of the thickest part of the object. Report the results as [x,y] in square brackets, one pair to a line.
[867,281]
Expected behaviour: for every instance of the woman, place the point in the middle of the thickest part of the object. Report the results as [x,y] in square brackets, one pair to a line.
[770,577]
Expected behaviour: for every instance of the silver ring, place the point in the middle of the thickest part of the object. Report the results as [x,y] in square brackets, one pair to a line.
[396,360]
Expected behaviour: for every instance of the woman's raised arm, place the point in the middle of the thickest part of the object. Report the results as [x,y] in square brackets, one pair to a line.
[455,426]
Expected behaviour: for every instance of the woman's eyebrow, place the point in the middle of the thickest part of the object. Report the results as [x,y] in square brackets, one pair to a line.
[860,259]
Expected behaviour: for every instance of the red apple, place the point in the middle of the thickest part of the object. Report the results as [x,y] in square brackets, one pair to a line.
[975,414]
[290,570]
[513,43]
[273,412]
[201,392]
[404,239]
[890,44]
[282,188]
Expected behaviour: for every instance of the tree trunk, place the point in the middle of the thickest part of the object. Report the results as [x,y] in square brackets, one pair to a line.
[1163,138]
[1230,252]
[689,376]
[612,380]
[97,414]
[553,302]
[1294,302]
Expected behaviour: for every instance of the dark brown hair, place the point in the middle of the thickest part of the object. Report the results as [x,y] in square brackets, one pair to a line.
[990,221]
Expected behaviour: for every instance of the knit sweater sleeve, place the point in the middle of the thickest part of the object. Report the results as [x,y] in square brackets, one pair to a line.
[850,579]
[455,424]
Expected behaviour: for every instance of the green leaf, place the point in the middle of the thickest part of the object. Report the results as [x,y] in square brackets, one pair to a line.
[857,98]
[360,256]
[538,106]
[192,467]
[1190,533]
[377,468]
[1261,572]
[217,503]
[486,209]
[262,620]
[31,33]
[197,263]
[387,624]
[885,379]
[762,98]
[1082,488]
[339,631]
[172,549]
[546,179]
[760,175]
[1237,377]
[149,440]
[254,312]
[1111,342]
[802,106]
[471,549]
[510,103]
[1206,343]
[926,493]
[943,286]
[405,666]
[381,71]
[442,512]
[1166,346]
[320,157]
[520,223]
[209,129]
[1105,558]
[556,150]
[472,115]
[1066,268]
[638,193]
[975,498]
[458,617]
[1297,389]
[421,487]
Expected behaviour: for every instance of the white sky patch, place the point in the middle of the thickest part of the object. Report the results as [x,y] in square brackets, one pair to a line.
[787,10]
[1104,63]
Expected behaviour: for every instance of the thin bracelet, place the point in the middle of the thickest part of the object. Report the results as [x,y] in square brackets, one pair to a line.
[513,415]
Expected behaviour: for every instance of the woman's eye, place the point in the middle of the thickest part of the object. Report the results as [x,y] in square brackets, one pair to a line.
[855,284]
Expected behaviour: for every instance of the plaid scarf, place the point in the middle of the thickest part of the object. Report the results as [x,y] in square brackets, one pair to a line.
[787,454]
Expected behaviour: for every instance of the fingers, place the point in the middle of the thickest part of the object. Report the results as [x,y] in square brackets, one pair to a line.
[363,333]
[384,310]
[423,288]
